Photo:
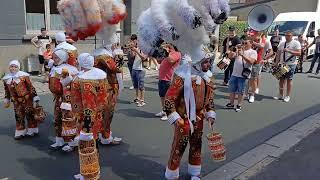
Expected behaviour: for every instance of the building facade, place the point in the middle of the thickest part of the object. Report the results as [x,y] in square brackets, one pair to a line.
[21,20]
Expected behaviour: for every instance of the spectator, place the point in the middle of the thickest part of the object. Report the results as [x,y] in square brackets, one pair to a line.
[244,58]
[47,56]
[304,44]
[154,61]
[167,67]
[138,75]
[246,34]
[130,54]
[229,45]
[40,43]
[316,56]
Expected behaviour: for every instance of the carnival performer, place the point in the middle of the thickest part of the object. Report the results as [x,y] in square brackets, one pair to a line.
[71,50]
[189,128]
[89,90]
[19,90]
[64,123]
[189,99]
[104,60]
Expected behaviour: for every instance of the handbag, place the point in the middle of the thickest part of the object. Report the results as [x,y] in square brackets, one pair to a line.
[246,71]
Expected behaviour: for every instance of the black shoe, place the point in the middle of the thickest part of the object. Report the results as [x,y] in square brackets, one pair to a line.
[229,106]
[309,71]
[238,108]
[316,73]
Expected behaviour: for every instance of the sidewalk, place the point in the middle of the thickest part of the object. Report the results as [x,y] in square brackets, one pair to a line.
[290,155]
[43,88]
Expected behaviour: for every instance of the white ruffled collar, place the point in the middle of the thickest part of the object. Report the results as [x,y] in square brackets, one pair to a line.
[9,77]
[58,69]
[93,74]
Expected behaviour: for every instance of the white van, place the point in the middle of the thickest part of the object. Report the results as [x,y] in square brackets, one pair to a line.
[305,23]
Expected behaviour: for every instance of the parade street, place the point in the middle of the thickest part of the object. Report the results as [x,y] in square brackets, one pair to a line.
[147,140]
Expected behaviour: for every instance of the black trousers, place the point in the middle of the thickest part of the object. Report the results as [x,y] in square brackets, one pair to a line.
[316,58]
[228,71]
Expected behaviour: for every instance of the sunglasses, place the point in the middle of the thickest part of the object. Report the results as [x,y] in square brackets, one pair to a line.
[244,43]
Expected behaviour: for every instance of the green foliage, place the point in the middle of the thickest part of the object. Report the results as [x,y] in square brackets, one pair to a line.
[239,26]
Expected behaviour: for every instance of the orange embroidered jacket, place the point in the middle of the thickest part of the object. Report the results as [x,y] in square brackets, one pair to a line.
[174,104]
[19,90]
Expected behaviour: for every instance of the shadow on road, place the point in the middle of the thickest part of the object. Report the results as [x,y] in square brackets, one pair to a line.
[136,112]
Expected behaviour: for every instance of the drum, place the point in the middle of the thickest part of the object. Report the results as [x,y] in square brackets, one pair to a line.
[223,64]
[280,71]
[89,160]
[216,146]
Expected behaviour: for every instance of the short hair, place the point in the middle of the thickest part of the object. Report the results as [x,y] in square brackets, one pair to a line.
[232,28]
[43,29]
[288,32]
[133,37]
[48,45]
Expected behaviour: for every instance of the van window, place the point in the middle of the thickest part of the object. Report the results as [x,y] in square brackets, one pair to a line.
[296,27]
[312,27]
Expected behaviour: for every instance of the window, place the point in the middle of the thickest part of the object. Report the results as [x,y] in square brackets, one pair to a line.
[42,13]
[296,27]
[56,22]
[312,27]
[35,10]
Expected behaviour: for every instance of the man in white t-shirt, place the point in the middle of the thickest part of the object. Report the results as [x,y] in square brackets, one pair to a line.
[287,54]
[244,58]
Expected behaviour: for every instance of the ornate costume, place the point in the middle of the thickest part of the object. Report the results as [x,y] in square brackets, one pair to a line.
[188,123]
[71,50]
[104,60]
[19,90]
[65,125]
[90,96]
[185,24]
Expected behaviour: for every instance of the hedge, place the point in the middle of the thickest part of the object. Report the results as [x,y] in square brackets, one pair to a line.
[223,31]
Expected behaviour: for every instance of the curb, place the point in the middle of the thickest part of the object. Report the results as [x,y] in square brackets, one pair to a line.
[253,161]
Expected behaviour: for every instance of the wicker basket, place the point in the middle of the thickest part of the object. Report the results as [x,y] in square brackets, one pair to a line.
[89,160]
[216,146]
[39,114]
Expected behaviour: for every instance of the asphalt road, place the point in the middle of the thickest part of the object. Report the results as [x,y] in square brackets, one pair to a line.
[300,162]
[147,140]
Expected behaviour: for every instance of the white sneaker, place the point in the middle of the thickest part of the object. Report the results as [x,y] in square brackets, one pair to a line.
[164,118]
[141,103]
[131,87]
[79,177]
[160,114]
[251,99]
[256,91]
[59,143]
[286,99]
[278,97]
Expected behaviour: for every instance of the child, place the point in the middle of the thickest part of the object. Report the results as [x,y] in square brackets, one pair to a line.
[47,56]
[19,90]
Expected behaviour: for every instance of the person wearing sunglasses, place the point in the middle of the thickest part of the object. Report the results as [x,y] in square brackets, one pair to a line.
[287,55]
